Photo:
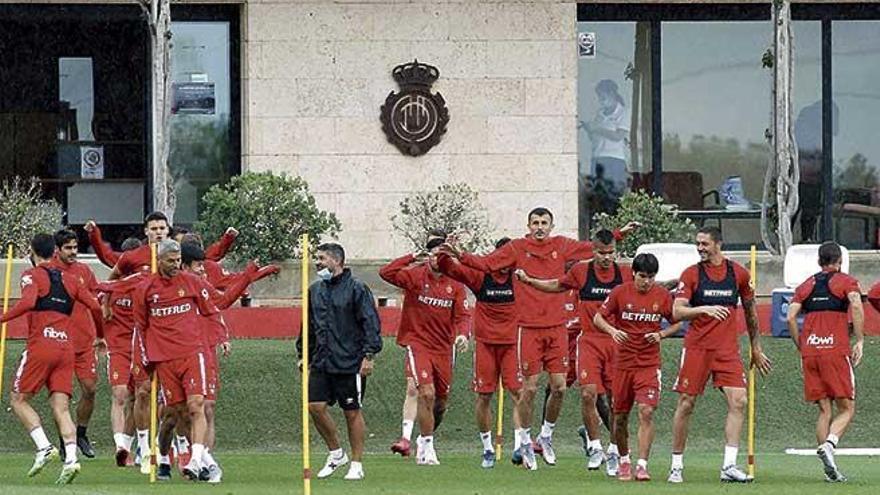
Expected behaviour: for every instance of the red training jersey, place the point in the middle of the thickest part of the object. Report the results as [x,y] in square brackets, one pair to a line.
[119,330]
[826,332]
[440,305]
[727,283]
[539,259]
[49,329]
[495,322]
[576,279]
[81,321]
[169,310]
[637,314]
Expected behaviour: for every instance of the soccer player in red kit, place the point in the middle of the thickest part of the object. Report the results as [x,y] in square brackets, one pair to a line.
[440,320]
[636,309]
[495,354]
[543,339]
[827,297]
[109,257]
[126,369]
[84,337]
[409,307]
[156,229]
[593,280]
[48,297]
[708,294]
[169,307]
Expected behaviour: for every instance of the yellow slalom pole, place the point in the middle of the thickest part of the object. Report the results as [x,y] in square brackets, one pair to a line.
[154,398]
[304,329]
[499,433]
[751,431]
[6,288]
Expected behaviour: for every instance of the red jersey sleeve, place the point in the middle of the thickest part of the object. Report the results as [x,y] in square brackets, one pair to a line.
[470,277]
[842,285]
[216,251]
[743,282]
[666,309]
[102,249]
[461,314]
[803,291]
[610,307]
[687,284]
[504,257]
[575,278]
[203,297]
[33,283]
[395,273]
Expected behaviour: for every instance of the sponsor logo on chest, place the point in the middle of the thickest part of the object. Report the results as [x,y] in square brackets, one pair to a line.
[600,291]
[435,302]
[499,292]
[124,302]
[177,309]
[717,292]
[51,333]
[817,341]
[643,317]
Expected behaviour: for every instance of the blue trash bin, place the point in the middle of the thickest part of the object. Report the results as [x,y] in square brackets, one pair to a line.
[781,298]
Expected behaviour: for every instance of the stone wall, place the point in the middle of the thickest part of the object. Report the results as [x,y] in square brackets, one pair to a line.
[317,73]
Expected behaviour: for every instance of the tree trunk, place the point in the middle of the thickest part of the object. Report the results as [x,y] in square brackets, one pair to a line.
[158,15]
[784,161]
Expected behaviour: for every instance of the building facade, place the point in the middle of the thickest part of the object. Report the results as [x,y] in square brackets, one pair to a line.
[551,103]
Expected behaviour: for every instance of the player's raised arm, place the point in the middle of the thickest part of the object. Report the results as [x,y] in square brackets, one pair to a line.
[218,250]
[452,268]
[548,285]
[29,293]
[396,274]
[103,251]
[504,257]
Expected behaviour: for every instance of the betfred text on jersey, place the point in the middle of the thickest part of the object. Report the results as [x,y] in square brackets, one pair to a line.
[171,310]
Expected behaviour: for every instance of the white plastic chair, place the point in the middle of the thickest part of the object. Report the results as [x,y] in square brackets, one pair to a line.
[802,261]
[673,258]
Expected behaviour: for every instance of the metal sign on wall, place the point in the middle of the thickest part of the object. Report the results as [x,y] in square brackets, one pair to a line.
[414,119]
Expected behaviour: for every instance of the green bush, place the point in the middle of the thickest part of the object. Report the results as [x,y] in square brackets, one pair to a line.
[270,211]
[660,222]
[25,213]
[455,208]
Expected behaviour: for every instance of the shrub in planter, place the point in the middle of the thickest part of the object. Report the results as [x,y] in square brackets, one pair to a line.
[23,213]
[660,222]
[455,208]
[270,211]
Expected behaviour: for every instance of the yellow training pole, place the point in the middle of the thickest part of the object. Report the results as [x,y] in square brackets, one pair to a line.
[499,434]
[154,398]
[751,433]
[304,329]
[7,285]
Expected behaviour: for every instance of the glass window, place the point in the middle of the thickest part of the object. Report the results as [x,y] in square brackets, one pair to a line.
[807,115]
[856,100]
[614,113]
[201,112]
[715,111]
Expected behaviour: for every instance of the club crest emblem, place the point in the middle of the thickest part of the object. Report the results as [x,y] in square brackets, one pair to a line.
[180,292]
[414,119]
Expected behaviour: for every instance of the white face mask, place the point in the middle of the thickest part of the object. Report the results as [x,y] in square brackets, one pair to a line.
[325,274]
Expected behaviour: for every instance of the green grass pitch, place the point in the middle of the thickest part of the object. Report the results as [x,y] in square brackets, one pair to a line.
[258,437]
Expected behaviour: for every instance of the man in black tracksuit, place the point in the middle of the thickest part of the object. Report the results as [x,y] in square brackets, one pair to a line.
[343,338]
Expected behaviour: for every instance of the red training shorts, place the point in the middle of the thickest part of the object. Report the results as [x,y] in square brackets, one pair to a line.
[49,367]
[543,349]
[594,362]
[639,385]
[725,367]
[182,378]
[492,360]
[86,364]
[828,377]
[428,368]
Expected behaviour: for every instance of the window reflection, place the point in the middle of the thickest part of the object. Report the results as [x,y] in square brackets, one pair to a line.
[856,69]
